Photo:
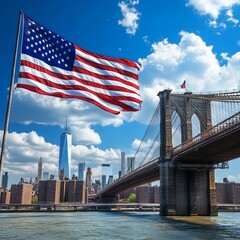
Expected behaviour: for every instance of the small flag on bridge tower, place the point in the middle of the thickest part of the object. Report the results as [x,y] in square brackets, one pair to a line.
[183,85]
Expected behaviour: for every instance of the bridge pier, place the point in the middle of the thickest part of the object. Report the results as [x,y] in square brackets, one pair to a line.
[187,192]
[191,190]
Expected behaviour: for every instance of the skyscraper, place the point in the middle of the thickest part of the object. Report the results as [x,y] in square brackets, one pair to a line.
[106,172]
[40,169]
[123,164]
[46,175]
[81,171]
[65,153]
[89,179]
[5,180]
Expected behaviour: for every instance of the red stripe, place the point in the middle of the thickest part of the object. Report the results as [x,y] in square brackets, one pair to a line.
[86,72]
[62,95]
[106,67]
[111,99]
[118,60]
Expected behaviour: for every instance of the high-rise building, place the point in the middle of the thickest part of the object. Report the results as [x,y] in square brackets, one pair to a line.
[89,179]
[40,169]
[75,191]
[21,193]
[65,153]
[46,175]
[123,164]
[106,172]
[49,191]
[5,180]
[81,171]
[130,164]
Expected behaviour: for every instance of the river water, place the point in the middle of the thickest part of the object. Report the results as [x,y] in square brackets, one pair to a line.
[116,225]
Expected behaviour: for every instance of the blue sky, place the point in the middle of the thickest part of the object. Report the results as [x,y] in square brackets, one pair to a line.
[196,40]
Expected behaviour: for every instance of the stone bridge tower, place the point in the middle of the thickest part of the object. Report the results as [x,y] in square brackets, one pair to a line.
[184,191]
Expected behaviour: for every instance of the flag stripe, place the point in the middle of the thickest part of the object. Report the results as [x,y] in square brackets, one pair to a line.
[55,90]
[34,79]
[63,95]
[101,61]
[116,60]
[66,79]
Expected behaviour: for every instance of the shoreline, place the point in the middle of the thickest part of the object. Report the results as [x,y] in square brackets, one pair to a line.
[110,207]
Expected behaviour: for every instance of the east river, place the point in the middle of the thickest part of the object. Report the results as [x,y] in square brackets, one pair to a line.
[116,225]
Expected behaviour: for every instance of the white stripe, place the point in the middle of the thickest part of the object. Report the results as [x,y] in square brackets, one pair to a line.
[79,75]
[104,72]
[76,83]
[70,93]
[107,62]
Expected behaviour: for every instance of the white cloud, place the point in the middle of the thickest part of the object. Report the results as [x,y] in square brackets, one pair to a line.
[212,7]
[191,59]
[25,149]
[130,16]
[230,18]
[28,107]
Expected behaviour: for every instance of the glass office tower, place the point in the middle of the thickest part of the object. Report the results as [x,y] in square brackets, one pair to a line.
[81,171]
[106,172]
[65,154]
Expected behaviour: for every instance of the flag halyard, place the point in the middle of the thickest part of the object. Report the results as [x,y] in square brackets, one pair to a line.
[51,65]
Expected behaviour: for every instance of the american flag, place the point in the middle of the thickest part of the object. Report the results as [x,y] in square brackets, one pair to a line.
[51,65]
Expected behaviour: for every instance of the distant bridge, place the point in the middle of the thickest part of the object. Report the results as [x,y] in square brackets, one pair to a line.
[186,171]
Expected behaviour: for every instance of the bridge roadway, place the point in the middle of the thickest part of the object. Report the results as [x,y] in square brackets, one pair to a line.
[218,144]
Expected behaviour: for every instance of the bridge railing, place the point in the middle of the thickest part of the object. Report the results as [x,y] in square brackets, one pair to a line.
[221,127]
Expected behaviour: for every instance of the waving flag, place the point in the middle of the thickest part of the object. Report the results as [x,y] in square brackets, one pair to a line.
[51,65]
[183,85]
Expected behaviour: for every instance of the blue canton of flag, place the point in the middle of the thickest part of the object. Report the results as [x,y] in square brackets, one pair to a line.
[47,46]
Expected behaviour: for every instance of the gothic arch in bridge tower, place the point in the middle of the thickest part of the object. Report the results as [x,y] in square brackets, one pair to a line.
[196,125]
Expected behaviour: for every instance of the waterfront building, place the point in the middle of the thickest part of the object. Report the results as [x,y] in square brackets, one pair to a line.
[89,179]
[5,181]
[49,191]
[123,164]
[21,193]
[40,169]
[5,197]
[148,194]
[81,171]
[228,192]
[63,197]
[75,191]
[65,153]
[46,175]
[106,172]
[130,164]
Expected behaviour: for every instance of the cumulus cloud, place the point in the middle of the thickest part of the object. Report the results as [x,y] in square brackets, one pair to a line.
[24,150]
[192,60]
[30,108]
[130,16]
[212,7]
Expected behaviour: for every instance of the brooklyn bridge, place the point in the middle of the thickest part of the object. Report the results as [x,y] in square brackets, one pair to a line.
[188,137]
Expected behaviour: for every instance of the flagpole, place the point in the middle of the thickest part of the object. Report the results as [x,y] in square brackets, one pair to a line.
[9,103]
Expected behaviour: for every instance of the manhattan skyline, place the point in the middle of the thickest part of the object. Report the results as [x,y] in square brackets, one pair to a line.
[193,40]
